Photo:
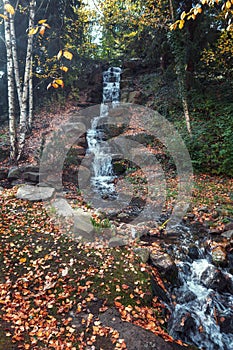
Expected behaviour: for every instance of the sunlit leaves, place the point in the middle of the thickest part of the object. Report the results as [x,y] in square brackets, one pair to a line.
[64,68]
[65,53]
[181,24]
[33,31]
[9,8]
[56,83]
[41,27]
[68,55]
[196,10]
[42,21]
[3,16]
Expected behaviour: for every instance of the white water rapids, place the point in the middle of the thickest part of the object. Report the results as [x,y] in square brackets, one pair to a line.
[103,177]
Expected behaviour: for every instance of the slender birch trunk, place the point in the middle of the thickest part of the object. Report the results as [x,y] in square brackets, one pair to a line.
[180,72]
[24,110]
[11,90]
[15,61]
[30,99]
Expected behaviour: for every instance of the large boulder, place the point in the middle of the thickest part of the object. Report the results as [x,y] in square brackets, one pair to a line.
[35,193]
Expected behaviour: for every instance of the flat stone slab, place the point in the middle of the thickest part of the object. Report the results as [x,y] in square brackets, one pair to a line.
[136,338]
[35,193]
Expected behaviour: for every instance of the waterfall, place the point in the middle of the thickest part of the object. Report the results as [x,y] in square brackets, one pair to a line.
[103,177]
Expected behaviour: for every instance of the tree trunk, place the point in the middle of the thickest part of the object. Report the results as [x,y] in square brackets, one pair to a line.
[180,72]
[10,84]
[30,100]
[28,62]
[15,61]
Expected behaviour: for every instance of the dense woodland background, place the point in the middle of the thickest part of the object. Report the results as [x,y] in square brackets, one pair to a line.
[178,54]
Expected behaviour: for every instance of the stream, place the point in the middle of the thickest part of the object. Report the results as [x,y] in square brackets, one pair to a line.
[203,310]
[202,313]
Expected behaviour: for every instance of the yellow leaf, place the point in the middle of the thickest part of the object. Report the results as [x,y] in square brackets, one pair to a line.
[59,82]
[183,15]
[68,55]
[228,4]
[64,68]
[10,9]
[33,31]
[42,21]
[59,55]
[22,260]
[181,24]
[4,17]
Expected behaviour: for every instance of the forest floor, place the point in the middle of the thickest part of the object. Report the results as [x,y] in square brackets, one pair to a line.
[53,288]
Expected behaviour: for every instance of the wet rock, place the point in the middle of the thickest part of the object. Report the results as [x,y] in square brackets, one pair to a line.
[186,296]
[1,189]
[226,322]
[158,291]
[143,254]
[214,279]
[34,193]
[165,265]
[219,256]
[182,324]
[193,252]
[136,338]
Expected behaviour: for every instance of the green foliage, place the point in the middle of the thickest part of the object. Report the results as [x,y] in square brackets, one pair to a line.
[100,224]
[211,147]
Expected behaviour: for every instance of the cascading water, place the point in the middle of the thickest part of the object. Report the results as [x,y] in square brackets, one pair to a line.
[103,177]
[203,312]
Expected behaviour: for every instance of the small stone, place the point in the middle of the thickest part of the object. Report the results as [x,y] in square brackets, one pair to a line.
[203,209]
[165,264]
[227,234]
[219,256]
[116,242]
[143,254]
